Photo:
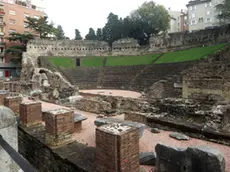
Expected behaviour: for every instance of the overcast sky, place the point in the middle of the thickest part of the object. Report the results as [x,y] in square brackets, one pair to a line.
[83,14]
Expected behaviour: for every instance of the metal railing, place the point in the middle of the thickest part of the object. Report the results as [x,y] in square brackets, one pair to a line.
[22,163]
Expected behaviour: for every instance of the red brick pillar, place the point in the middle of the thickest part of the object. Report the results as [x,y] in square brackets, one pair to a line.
[3,94]
[117,148]
[59,126]
[30,113]
[13,103]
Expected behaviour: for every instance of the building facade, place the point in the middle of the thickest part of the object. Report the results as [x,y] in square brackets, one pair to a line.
[202,14]
[13,15]
[178,21]
[16,13]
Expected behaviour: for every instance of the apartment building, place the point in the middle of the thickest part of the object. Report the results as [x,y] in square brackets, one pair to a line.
[178,21]
[15,16]
[202,14]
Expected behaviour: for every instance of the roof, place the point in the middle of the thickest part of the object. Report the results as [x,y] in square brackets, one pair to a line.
[194,2]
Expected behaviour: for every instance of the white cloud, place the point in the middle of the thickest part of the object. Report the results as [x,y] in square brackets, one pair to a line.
[83,14]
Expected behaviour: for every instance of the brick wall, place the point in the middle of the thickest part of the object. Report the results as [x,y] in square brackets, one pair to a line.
[13,103]
[117,151]
[30,113]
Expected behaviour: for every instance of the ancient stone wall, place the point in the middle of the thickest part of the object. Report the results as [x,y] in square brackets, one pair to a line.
[128,46]
[209,80]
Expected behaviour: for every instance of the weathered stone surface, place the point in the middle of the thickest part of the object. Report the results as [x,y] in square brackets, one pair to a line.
[179,136]
[147,158]
[192,159]
[155,130]
[206,159]
[169,158]
[103,121]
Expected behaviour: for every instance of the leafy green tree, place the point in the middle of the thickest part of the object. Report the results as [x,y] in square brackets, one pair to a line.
[99,34]
[41,26]
[59,33]
[149,19]
[91,35]
[77,35]
[224,11]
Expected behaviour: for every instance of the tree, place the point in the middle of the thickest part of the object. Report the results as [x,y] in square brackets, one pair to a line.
[149,19]
[16,50]
[77,35]
[59,33]
[112,29]
[91,35]
[99,34]
[224,11]
[41,26]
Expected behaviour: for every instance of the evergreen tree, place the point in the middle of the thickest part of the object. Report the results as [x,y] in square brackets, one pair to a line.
[77,35]
[41,26]
[99,34]
[91,35]
[59,33]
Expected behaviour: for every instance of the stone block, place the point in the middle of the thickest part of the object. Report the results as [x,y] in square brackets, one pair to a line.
[147,158]
[169,158]
[206,159]
[136,117]
[30,113]
[59,126]
[192,159]
[117,148]
[104,121]
[13,103]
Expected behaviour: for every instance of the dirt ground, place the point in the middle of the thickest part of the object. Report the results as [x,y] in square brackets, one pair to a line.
[148,140]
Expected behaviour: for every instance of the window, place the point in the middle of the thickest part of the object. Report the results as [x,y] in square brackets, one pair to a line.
[208,20]
[36,17]
[193,22]
[208,13]
[201,20]
[194,7]
[25,25]
[12,12]
[12,31]
[12,21]
[190,8]
[193,15]
[26,15]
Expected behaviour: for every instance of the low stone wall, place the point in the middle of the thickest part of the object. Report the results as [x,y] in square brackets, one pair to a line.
[40,155]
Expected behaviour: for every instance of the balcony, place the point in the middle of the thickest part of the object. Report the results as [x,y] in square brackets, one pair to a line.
[2,12]
[2,33]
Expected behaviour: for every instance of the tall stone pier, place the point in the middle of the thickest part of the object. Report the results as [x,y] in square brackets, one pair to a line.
[117,148]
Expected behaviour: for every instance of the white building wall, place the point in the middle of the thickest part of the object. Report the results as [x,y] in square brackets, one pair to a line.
[203,14]
[175,22]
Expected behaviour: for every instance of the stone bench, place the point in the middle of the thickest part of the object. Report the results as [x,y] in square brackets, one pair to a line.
[78,118]
[103,121]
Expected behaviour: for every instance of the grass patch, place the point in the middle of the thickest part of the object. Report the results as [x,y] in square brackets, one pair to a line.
[131,60]
[62,62]
[189,55]
[92,62]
